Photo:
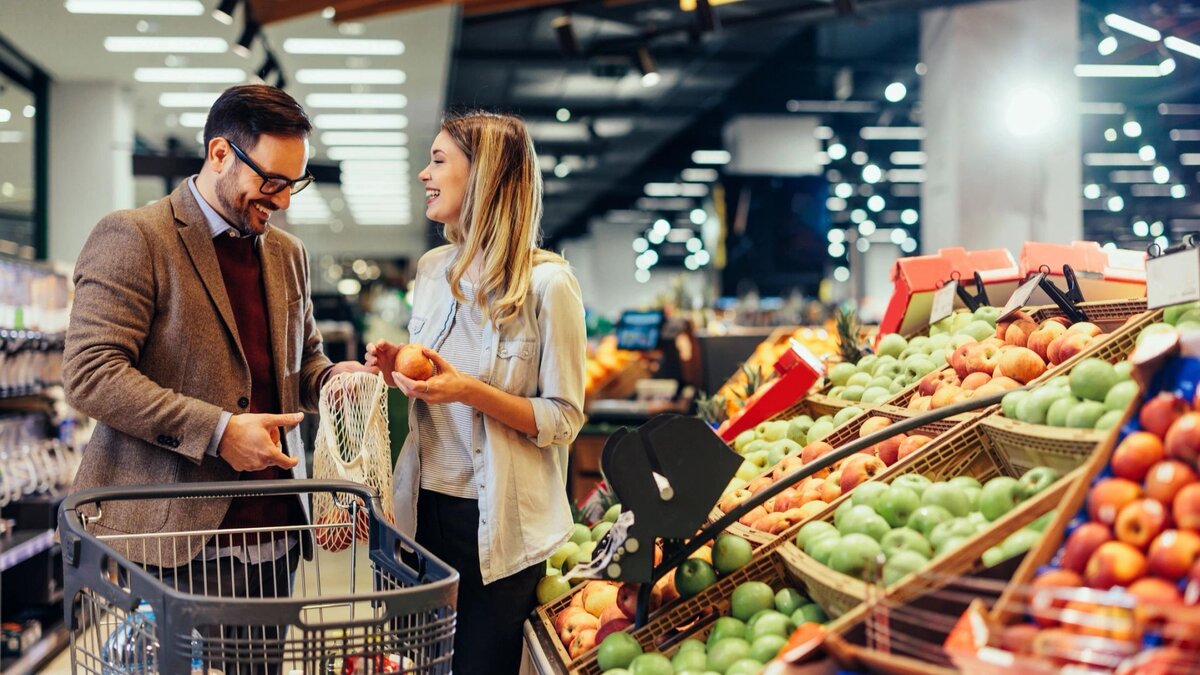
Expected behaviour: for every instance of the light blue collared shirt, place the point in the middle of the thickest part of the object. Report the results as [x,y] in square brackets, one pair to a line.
[218,226]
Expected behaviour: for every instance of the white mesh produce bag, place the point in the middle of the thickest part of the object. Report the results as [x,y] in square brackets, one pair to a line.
[352,444]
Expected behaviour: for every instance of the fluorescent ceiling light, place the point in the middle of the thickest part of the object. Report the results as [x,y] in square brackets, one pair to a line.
[892,133]
[1183,46]
[711,157]
[1190,159]
[176,45]
[373,167]
[366,152]
[370,138]
[832,106]
[11,136]
[330,100]
[1151,190]
[823,133]
[1118,70]
[362,121]
[350,76]
[1179,135]
[906,176]
[1099,108]
[676,189]
[146,7]
[188,99]
[1132,27]
[199,75]
[1178,109]
[1132,176]
[347,46]
[193,120]
[1114,159]
[699,175]
[913,158]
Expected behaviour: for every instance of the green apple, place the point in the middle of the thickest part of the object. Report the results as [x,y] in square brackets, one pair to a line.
[551,587]
[836,392]
[722,654]
[773,430]
[1019,542]
[618,650]
[965,482]
[788,600]
[821,548]
[583,555]
[855,556]
[856,513]
[726,628]
[565,551]
[1121,395]
[981,522]
[748,471]
[820,429]
[694,575]
[1056,415]
[999,496]
[1008,404]
[782,448]
[1043,521]
[840,373]
[896,386]
[757,458]
[651,664]
[992,557]
[919,366]
[913,481]
[891,345]
[1033,408]
[690,660]
[989,314]
[866,363]
[1085,415]
[859,379]
[692,644]
[958,527]
[889,369]
[1109,420]
[750,597]
[1034,481]
[770,623]
[612,513]
[896,503]
[949,545]
[901,564]
[743,439]
[1092,378]
[868,493]
[972,495]
[580,534]
[879,382]
[756,445]
[980,330]
[876,395]
[1172,314]
[872,525]
[808,532]
[925,518]
[798,429]
[730,552]
[766,648]
[839,514]
[1124,370]
[919,342]
[939,358]
[811,612]
[948,497]
[600,529]
[746,666]
[938,342]
[845,415]
[905,539]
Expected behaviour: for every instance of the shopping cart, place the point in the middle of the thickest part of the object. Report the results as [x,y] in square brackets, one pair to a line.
[383,607]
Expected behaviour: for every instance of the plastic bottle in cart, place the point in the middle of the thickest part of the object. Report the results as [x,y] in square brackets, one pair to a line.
[130,648]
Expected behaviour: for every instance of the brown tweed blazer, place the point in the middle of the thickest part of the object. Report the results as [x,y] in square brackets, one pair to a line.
[152,353]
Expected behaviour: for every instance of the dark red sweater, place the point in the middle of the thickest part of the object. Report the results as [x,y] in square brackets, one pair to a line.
[242,272]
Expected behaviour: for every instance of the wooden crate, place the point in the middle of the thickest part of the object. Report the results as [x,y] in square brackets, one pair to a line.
[968,451]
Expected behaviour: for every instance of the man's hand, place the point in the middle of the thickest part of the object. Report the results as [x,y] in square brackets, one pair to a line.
[251,441]
[352,367]
[381,356]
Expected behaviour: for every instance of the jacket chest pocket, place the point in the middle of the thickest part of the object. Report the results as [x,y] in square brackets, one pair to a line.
[516,366]
[415,324]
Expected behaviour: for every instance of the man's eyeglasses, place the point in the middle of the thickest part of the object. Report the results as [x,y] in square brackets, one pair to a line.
[272,184]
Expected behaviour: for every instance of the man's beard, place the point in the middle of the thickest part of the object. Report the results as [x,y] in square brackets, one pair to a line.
[238,214]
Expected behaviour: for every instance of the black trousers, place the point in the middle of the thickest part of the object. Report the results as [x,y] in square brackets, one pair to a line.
[238,650]
[487,638]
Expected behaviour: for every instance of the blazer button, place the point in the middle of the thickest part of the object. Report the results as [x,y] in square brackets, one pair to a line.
[243,402]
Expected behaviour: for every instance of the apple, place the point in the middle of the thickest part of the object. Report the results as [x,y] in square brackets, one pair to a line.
[1153,598]
[1182,441]
[1032,409]
[731,500]
[1091,379]
[1140,521]
[896,504]
[868,493]
[1082,542]
[1052,349]
[1173,553]
[551,587]
[955,528]
[1123,393]
[1135,455]
[1108,496]
[564,552]
[1114,563]
[1008,405]
[1160,412]
[891,345]
[929,384]
[888,450]
[1018,332]
[913,481]
[1056,415]
[613,626]
[864,521]
[1019,638]
[1085,327]
[1048,595]
[982,358]
[1166,478]
[1034,481]
[572,621]
[1109,420]
[921,403]
[1085,415]
[1040,339]
[873,424]
[583,641]
[910,445]
[975,380]
[999,496]
[927,517]
[1073,344]
[1186,507]
[965,482]
[859,469]
[831,489]
[627,598]
[821,548]
[814,450]
[813,530]
[855,555]
[958,359]
[948,497]
[978,329]
[1022,364]
[947,396]
[901,564]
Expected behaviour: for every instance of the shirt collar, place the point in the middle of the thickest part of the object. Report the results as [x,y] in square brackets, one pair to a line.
[216,224]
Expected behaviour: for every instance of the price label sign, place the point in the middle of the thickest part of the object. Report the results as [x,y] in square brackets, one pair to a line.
[943,301]
[1020,297]
[1173,279]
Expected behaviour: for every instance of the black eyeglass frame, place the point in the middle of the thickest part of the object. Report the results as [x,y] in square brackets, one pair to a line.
[295,185]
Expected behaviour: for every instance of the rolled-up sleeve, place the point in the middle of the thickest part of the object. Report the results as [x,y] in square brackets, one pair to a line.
[558,408]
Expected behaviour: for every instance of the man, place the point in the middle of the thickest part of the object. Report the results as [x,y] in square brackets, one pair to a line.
[192,343]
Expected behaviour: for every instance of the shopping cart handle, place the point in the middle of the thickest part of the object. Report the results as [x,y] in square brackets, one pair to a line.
[219,489]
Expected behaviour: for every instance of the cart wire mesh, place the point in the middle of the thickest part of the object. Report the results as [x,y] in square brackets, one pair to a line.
[345,597]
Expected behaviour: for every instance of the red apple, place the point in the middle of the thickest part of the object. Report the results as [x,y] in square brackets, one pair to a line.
[920,403]
[975,380]
[1002,326]
[1047,596]
[958,360]
[947,395]
[572,621]
[1136,454]
[1166,478]
[1140,521]
[614,626]
[1072,344]
[911,444]
[1006,382]
[731,500]
[1182,441]
[982,358]
[1082,543]
[1159,413]
[753,515]
[1040,339]
[1086,328]
[1191,593]
[814,450]
[935,380]
[1153,597]
[1115,563]
[583,641]
[873,424]
[1018,332]
[889,450]
[627,597]
[758,484]
[1019,638]
[1109,496]
[1052,349]
[990,389]
[1186,507]
[612,612]
[1173,553]
[859,469]
[1022,364]
[832,489]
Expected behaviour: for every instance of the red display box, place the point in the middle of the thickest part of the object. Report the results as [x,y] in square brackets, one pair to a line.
[1116,274]
[798,371]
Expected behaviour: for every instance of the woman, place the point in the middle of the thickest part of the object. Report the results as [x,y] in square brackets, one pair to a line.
[481,478]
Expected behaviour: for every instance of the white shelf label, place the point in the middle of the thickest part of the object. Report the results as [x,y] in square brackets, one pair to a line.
[1020,297]
[943,302]
[1173,279]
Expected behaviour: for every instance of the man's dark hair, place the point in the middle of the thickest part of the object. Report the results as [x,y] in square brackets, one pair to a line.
[243,113]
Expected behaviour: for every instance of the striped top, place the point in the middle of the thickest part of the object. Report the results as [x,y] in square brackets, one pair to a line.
[446,428]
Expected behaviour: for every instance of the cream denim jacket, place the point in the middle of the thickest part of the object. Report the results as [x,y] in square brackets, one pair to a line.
[524,514]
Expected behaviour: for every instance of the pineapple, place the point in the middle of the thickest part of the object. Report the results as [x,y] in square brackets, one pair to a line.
[712,409]
[848,330]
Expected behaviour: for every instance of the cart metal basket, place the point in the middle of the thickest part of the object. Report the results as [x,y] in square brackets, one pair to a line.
[268,600]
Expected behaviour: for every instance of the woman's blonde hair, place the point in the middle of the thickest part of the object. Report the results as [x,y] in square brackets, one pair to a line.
[501,212]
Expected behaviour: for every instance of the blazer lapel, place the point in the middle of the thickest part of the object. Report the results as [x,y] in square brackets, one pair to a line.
[274,276]
[197,239]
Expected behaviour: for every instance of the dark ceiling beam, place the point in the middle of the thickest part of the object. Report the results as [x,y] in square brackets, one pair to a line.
[670,59]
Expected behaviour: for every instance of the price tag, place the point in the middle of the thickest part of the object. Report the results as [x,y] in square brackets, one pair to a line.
[1173,279]
[943,301]
[1020,297]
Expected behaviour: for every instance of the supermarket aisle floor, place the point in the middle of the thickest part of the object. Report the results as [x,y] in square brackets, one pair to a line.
[334,567]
